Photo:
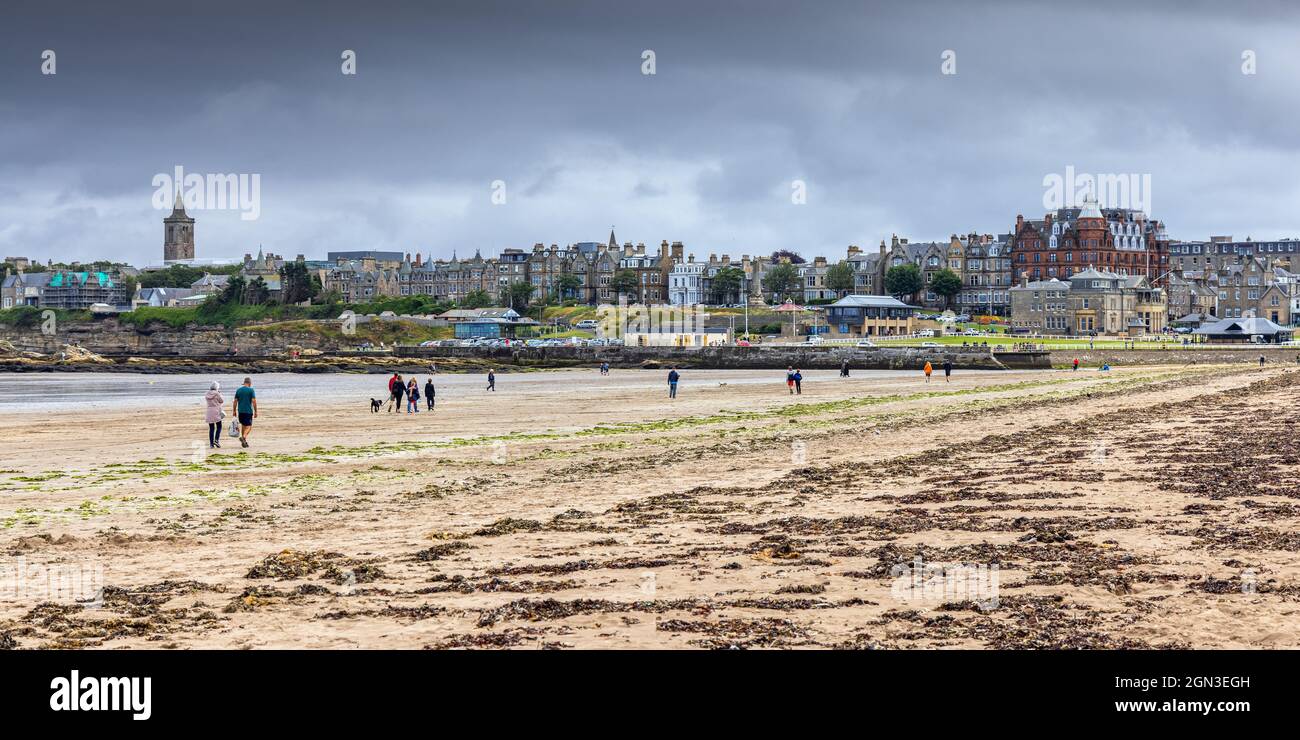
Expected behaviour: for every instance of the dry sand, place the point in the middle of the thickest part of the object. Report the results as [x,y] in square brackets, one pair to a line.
[1146,507]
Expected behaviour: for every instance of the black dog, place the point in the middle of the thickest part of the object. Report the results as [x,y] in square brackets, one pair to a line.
[375,406]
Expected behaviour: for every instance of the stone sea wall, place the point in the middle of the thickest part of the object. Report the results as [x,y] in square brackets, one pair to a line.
[736,358]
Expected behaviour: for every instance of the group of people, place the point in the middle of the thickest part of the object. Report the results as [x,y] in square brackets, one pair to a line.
[947,371]
[397,389]
[244,408]
[794,380]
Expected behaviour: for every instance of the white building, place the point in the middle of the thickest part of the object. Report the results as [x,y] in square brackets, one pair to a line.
[686,283]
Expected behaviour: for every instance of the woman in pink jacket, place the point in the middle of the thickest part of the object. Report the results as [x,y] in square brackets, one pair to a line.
[214,413]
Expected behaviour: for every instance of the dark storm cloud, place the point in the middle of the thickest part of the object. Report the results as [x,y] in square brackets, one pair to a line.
[549,98]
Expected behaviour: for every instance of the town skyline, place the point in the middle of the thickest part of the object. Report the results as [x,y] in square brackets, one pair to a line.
[854,102]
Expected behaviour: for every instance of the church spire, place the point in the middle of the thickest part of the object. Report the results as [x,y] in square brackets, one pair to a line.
[613,243]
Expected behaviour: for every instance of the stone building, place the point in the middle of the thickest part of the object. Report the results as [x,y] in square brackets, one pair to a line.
[1040,306]
[1091,302]
[178,234]
[983,262]
[1122,241]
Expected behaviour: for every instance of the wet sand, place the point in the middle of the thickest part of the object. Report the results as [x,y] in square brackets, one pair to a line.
[1146,507]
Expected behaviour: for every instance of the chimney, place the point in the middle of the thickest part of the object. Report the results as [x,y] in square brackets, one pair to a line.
[1024,279]
[692,258]
[1020,221]
[894,242]
[677,249]
[819,261]
[726,259]
[882,247]
[853,249]
[712,258]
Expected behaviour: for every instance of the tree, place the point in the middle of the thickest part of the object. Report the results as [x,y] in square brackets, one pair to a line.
[568,285]
[725,284]
[234,290]
[296,284]
[947,284]
[840,278]
[517,295]
[257,293]
[174,276]
[129,286]
[476,299]
[625,282]
[785,254]
[903,280]
[781,281]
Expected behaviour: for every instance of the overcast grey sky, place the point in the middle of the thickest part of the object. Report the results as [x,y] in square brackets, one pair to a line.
[550,98]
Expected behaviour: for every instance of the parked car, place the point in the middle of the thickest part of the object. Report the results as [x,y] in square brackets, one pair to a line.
[588,324]
[814,339]
[865,343]
[929,345]
[742,343]
[925,333]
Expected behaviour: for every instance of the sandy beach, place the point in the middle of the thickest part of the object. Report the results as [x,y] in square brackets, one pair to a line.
[1144,507]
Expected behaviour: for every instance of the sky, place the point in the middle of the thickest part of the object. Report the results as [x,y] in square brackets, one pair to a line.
[485,124]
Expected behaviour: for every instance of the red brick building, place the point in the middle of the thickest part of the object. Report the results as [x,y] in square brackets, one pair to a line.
[1118,240]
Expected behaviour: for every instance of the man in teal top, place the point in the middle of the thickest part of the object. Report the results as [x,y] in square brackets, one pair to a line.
[245,410]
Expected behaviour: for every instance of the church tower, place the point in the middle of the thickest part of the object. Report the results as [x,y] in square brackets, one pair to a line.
[178,234]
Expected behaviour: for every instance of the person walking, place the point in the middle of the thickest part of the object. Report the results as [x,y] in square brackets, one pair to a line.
[947,371]
[928,369]
[394,396]
[844,369]
[789,379]
[1076,363]
[413,397]
[213,414]
[673,377]
[399,391]
[1261,361]
[492,381]
[245,410]
[428,393]
[798,382]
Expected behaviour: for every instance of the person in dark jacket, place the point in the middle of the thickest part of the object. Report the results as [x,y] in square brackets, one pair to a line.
[492,380]
[798,382]
[428,393]
[398,387]
[947,371]
[673,377]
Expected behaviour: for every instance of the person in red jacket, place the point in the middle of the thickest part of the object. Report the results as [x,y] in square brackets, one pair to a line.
[395,393]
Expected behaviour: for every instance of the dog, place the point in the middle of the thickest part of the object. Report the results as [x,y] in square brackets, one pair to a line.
[375,406]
